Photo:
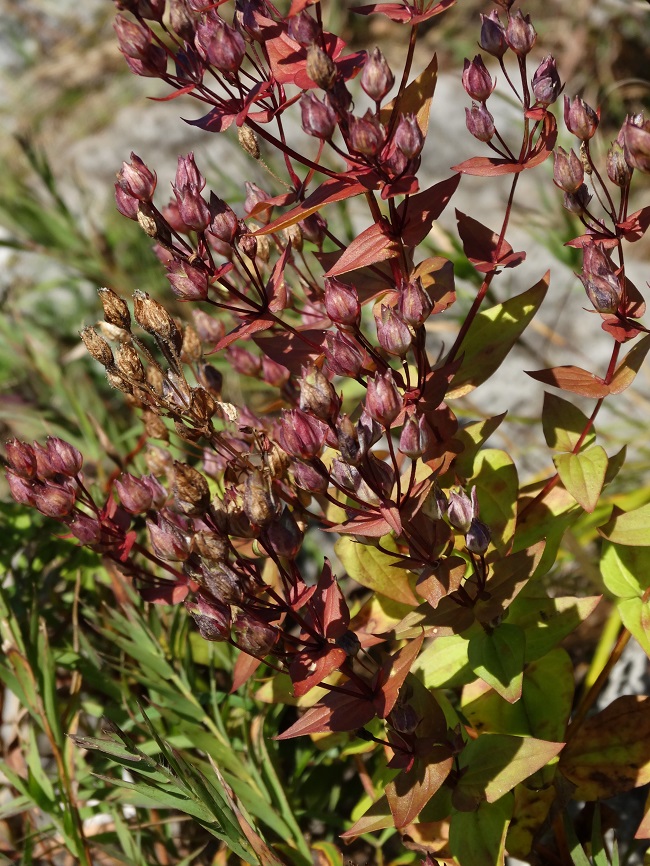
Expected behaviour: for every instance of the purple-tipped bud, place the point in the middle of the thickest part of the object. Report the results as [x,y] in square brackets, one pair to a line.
[254,637]
[493,35]
[318,118]
[416,438]
[462,509]
[64,458]
[342,302]
[188,283]
[603,290]
[403,718]
[21,458]
[636,142]
[477,538]
[136,179]
[167,540]
[568,170]
[581,120]
[181,19]
[224,223]
[618,169]
[578,201]
[219,44]
[134,39]
[311,477]
[414,303]
[383,400]
[212,618]
[54,500]
[192,208]
[520,33]
[22,489]
[158,492]
[209,329]
[153,65]
[300,435]
[344,358]
[546,82]
[151,9]
[377,78]
[408,136]
[317,395]
[255,195]
[365,134]
[479,122]
[85,529]
[368,431]
[126,204]
[435,504]
[188,175]
[284,535]
[303,29]
[44,468]
[259,502]
[477,81]
[393,334]
[135,494]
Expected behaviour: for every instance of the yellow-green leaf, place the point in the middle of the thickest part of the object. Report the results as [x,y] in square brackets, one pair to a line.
[631,528]
[583,475]
[497,486]
[375,570]
[563,424]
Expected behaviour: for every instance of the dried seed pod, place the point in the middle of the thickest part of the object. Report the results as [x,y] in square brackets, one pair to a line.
[155,427]
[191,349]
[97,347]
[248,141]
[154,318]
[116,311]
[320,67]
[191,490]
[129,364]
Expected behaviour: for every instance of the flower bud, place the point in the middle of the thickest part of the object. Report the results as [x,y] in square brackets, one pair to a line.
[136,179]
[318,118]
[416,437]
[580,119]
[343,356]
[342,302]
[210,546]
[255,196]
[477,538]
[303,29]
[224,223]
[188,175]
[126,204]
[435,504]
[577,202]
[603,290]
[21,458]
[300,435]
[152,65]
[568,170]
[274,374]
[313,228]
[97,347]
[520,33]
[636,142]
[284,535]
[135,494]
[212,618]
[383,400]
[317,394]
[22,489]
[54,500]
[618,169]
[243,361]
[348,440]
[462,509]
[182,21]
[188,283]
[85,529]
[479,122]
[134,39]
[310,476]
[191,491]
[477,81]
[368,431]
[220,44]
[365,134]
[259,502]
[414,303]
[493,36]
[320,67]
[192,208]
[209,329]
[151,9]
[403,718]
[546,82]
[253,636]
[408,136]
[393,333]
[377,78]
[167,540]
[64,458]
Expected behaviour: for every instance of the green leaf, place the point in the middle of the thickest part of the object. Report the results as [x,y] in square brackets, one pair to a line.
[631,528]
[444,663]
[491,336]
[563,424]
[472,438]
[375,570]
[378,817]
[583,475]
[497,486]
[635,615]
[478,838]
[498,658]
[625,570]
[547,621]
[495,763]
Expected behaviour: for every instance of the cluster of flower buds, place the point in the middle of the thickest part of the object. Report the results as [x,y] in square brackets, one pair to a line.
[47,478]
[518,34]
[463,513]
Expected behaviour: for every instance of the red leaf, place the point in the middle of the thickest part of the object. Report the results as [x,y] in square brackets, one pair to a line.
[336,712]
[409,792]
[245,667]
[581,241]
[401,13]
[249,326]
[331,190]
[392,517]
[489,166]
[180,92]
[406,185]
[392,675]
[277,201]
[276,288]
[370,527]
[573,379]
[635,302]
[636,225]
[309,668]
[292,349]
[164,593]
[436,10]
[298,5]
[371,246]
[621,330]
[418,213]
[328,609]
[482,247]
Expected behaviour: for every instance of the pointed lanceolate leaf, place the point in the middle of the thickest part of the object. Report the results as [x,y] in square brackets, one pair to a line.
[563,424]
[418,213]
[484,247]
[292,349]
[489,166]
[491,336]
[583,475]
[373,245]
[415,99]
[392,674]
[610,753]
[331,190]
[375,570]
[409,792]
[631,528]
[572,379]
[497,657]
[630,366]
[378,817]
[337,711]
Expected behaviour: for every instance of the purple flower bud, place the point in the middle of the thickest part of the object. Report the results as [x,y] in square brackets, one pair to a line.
[189,65]
[365,134]
[22,489]
[636,142]
[403,718]
[136,179]
[317,394]
[383,400]
[284,535]
[414,303]
[188,283]
[320,67]
[135,494]
[462,509]
[477,538]
[377,78]
[64,458]
[243,361]
[343,355]
[604,291]
[153,65]
[310,476]
[151,9]
[253,636]
[167,540]
[546,82]
[318,118]
[520,33]
[493,36]
[408,136]
[477,80]
[44,468]
[577,202]
[416,437]
[342,302]
[212,618]
[134,39]
[618,169]
[219,44]
[192,208]
[85,529]
[54,500]
[479,122]
[255,195]
[182,20]
[158,492]
[188,175]
[393,333]
[274,374]
[21,458]
[126,204]
[224,224]
[303,29]
[379,475]
[435,504]
[313,228]
[300,435]
[581,120]
[348,440]
[368,431]
[568,170]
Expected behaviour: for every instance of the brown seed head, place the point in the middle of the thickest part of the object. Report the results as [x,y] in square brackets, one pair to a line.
[154,318]
[129,364]
[116,312]
[248,141]
[190,488]
[97,347]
